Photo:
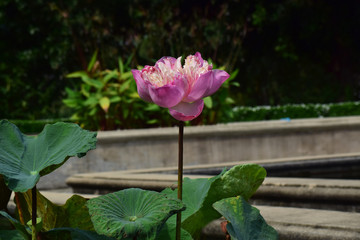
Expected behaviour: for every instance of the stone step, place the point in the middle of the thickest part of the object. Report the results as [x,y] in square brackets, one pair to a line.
[330,194]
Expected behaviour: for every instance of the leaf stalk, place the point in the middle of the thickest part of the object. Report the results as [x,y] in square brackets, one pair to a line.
[33,213]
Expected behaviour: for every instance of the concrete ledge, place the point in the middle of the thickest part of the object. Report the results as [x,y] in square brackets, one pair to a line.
[291,223]
[238,128]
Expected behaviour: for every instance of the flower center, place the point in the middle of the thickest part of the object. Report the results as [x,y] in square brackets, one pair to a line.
[152,75]
[194,67]
[160,75]
[168,69]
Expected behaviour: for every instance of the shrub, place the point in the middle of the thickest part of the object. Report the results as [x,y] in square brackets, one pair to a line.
[294,111]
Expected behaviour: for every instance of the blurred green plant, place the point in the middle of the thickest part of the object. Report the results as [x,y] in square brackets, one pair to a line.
[106,98]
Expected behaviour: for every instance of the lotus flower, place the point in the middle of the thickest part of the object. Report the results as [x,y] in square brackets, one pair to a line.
[179,88]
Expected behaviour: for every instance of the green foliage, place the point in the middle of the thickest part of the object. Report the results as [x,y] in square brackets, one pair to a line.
[20,229]
[168,232]
[108,99]
[75,233]
[11,235]
[200,194]
[62,233]
[24,158]
[294,111]
[244,221]
[73,213]
[132,213]
[342,109]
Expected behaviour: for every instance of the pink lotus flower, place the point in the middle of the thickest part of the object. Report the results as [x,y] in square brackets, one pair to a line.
[179,88]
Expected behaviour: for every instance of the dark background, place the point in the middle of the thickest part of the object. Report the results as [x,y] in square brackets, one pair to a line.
[286,51]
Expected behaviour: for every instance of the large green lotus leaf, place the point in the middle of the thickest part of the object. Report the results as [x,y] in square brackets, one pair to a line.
[22,230]
[243,180]
[244,220]
[74,234]
[5,194]
[73,213]
[132,213]
[200,194]
[23,158]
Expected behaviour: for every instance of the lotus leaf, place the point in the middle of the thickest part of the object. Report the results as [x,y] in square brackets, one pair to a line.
[24,158]
[132,213]
[244,221]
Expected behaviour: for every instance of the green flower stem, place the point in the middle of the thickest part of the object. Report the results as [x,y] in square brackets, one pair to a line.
[33,213]
[180,177]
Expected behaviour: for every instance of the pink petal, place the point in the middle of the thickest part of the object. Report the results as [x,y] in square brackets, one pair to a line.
[198,55]
[166,96]
[187,111]
[207,84]
[142,86]
[173,63]
[169,61]
[219,77]
[200,87]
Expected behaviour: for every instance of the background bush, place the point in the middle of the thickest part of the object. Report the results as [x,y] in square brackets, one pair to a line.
[286,52]
[295,111]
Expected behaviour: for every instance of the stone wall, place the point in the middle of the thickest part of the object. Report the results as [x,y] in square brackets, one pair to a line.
[149,148]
